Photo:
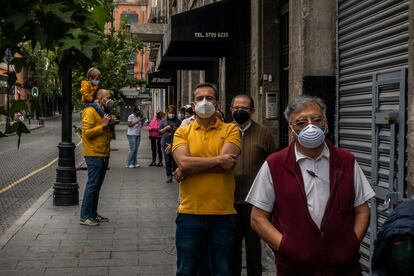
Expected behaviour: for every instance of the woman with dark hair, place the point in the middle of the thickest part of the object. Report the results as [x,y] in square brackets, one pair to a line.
[135,122]
[155,137]
[168,126]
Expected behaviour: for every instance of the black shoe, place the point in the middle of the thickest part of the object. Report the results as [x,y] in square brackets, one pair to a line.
[100,218]
[159,164]
[169,180]
[152,164]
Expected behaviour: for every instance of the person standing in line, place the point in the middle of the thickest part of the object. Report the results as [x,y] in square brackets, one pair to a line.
[206,152]
[96,138]
[188,117]
[168,126]
[135,122]
[181,114]
[310,199]
[155,137]
[257,144]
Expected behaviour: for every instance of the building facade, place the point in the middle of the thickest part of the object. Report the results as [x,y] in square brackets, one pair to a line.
[133,13]
[356,55]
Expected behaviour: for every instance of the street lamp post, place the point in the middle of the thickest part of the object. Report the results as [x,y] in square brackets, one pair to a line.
[66,188]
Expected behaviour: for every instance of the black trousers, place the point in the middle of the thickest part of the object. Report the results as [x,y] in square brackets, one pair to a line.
[156,148]
[252,242]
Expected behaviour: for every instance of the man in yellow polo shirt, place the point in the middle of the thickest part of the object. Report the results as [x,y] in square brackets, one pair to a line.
[206,152]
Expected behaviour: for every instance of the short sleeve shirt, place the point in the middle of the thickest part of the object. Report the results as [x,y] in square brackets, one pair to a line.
[262,194]
[207,193]
[135,129]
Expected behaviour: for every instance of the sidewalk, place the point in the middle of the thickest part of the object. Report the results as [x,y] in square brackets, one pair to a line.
[138,240]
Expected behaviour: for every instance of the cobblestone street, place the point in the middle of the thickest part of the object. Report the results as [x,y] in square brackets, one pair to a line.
[22,179]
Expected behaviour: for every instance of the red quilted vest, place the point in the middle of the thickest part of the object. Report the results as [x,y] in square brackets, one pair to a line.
[305,249]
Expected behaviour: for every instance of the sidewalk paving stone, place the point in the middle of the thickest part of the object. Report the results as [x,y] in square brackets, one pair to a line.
[138,239]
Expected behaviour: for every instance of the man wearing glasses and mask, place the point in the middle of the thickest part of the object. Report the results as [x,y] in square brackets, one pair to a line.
[310,199]
[206,152]
[257,144]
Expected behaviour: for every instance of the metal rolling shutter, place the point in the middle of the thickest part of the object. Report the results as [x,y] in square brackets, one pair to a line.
[372,38]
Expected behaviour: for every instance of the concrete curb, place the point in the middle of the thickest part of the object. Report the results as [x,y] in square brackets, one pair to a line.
[21,221]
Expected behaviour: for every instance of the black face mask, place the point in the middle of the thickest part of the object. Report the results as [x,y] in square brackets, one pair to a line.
[241,116]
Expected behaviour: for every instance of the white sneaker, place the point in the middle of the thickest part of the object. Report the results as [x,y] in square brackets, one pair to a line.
[131,166]
[137,166]
[89,222]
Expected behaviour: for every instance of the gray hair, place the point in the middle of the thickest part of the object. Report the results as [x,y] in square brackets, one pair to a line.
[301,103]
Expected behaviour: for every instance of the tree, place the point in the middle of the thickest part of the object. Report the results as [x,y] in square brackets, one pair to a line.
[43,69]
[118,48]
[69,28]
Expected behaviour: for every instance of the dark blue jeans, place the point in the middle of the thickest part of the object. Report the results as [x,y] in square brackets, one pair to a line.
[217,231]
[170,165]
[97,166]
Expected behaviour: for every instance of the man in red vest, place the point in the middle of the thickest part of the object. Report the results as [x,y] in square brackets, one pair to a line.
[310,199]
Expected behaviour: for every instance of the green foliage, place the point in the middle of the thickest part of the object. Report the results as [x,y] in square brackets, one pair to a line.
[77,130]
[34,107]
[117,49]
[70,28]
[19,128]
[44,73]
[17,106]
[67,32]
[3,111]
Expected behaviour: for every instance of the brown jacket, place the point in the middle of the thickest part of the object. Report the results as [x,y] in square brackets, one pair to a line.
[257,144]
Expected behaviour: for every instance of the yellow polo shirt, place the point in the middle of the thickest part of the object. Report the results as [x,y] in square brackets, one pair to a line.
[207,193]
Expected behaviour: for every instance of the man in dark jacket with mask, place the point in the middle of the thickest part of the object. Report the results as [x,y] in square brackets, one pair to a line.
[394,247]
[257,144]
[310,199]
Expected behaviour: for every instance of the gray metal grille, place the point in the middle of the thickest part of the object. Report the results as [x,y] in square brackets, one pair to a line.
[372,37]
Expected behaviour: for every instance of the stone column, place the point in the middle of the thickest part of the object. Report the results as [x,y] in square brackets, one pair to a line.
[410,108]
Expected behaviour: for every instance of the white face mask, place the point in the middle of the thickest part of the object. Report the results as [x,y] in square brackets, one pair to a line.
[205,109]
[95,82]
[311,136]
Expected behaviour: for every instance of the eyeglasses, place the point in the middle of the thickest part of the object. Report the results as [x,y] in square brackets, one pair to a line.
[315,120]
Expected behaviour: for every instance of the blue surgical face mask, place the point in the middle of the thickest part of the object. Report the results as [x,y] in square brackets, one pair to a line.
[311,136]
[95,82]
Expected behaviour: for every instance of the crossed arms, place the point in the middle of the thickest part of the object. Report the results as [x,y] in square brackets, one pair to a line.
[188,164]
